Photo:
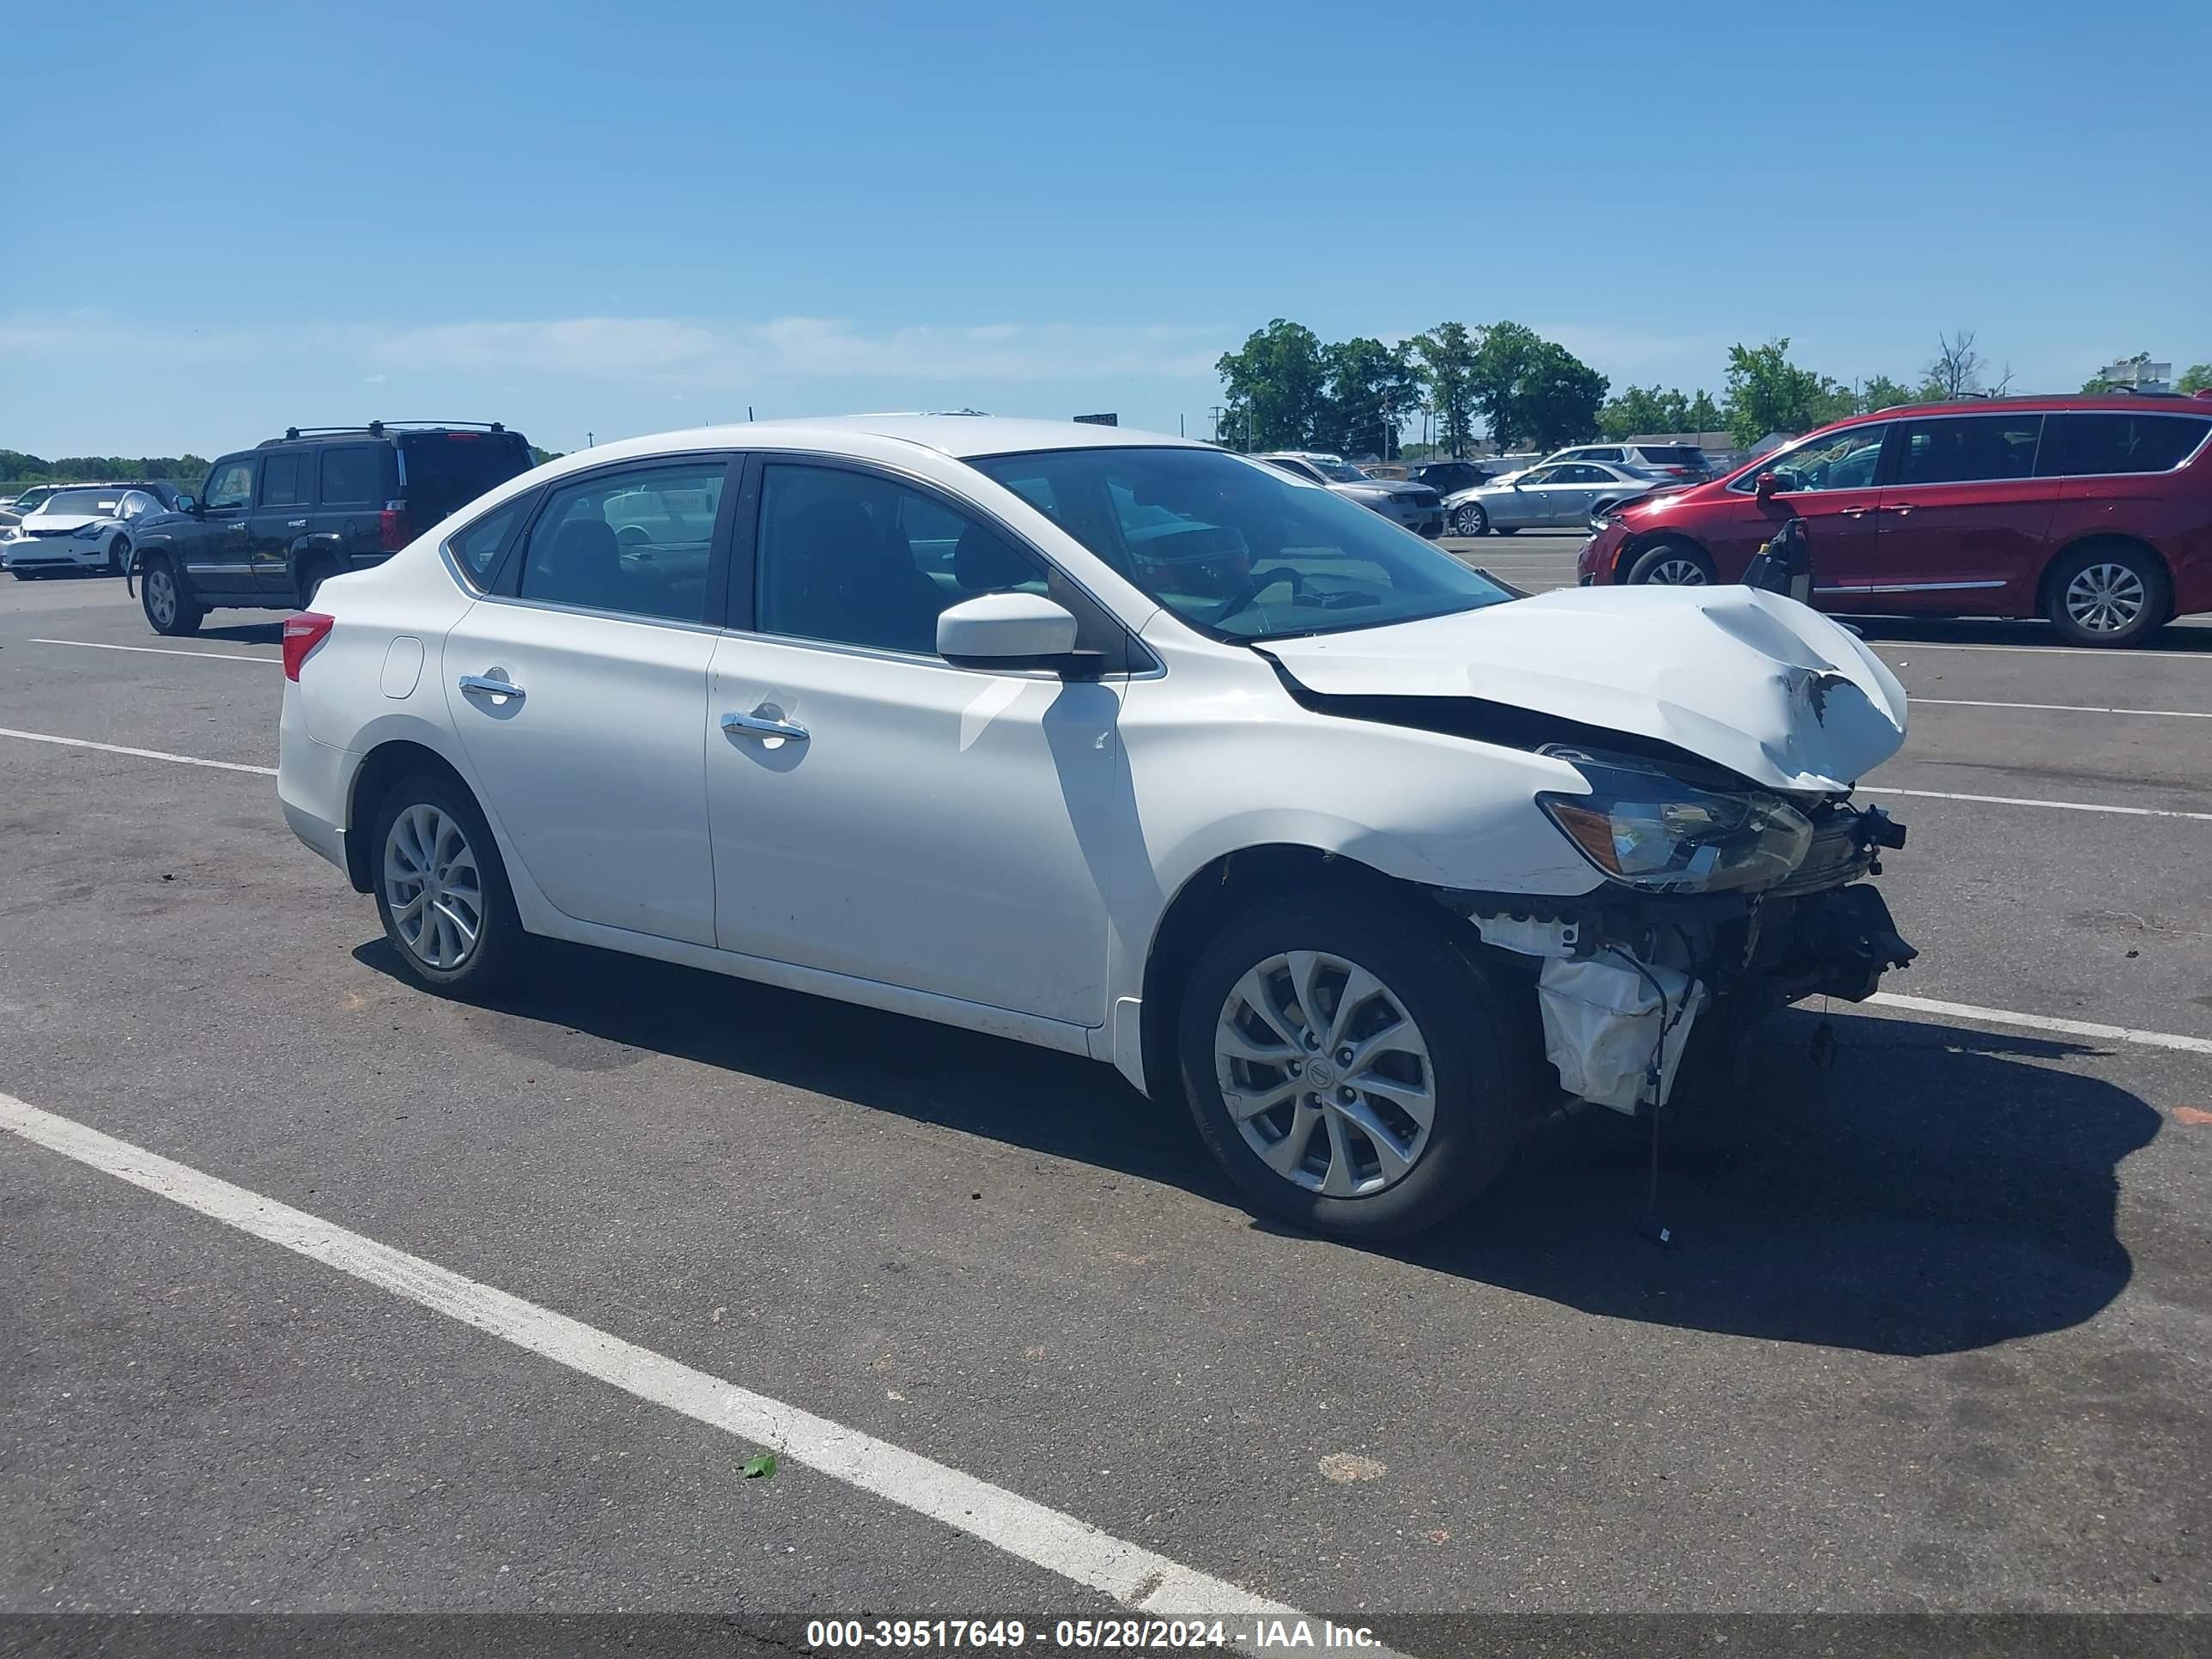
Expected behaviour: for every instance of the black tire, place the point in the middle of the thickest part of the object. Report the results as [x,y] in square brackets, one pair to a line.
[491,961]
[1667,555]
[1505,530]
[162,597]
[1470,519]
[119,555]
[1478,1070]
[311,580]
[2126,571]
[24,575]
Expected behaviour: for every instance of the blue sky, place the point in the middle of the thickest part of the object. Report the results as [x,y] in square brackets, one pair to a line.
[622,219]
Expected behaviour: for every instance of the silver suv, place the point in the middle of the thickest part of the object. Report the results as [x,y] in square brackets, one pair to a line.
[1417,507]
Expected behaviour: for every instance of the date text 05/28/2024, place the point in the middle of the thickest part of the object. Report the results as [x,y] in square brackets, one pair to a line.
[829,1635]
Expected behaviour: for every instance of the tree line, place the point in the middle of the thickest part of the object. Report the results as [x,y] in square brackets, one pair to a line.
[16,467]
[1286,388]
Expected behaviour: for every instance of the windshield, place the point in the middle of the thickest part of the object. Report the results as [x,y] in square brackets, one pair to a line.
[1238,550]
[94,502]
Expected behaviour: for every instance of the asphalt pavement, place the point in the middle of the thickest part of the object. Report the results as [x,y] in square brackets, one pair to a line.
[1934,1336]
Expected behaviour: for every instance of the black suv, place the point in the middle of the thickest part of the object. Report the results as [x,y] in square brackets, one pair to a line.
[1446,476]
[270,523]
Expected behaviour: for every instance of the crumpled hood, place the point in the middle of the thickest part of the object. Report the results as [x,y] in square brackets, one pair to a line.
[58,524]
[1748,679]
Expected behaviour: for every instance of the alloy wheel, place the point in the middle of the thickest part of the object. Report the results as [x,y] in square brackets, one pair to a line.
[2104,598]
[1678,573]
[1325,1074]
[161,596]
[432,887]
[1470,520]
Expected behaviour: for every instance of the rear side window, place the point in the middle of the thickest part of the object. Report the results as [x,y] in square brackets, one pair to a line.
[446,470]
[635,541]
[1970,449]
[478,547]
[282,485]
[354,476]
[2094,443]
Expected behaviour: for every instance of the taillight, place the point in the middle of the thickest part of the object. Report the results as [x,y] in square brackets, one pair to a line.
[393,530]
[302,633]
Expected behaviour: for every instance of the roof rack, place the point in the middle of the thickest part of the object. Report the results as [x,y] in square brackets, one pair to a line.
[377,430]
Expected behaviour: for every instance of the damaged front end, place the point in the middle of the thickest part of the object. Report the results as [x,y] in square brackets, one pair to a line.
[1722,904]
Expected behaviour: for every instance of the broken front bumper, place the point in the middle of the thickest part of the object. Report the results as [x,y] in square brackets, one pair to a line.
[1624,979]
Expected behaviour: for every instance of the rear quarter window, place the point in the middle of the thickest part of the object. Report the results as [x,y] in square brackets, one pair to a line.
[2096,442]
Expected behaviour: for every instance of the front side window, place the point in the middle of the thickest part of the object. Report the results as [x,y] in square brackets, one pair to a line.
[2086,442]
[1968,449]
[851,558]
[1834,461]
[1237,551]
[230,485]
[635,541]
[1541,475]
[282,483]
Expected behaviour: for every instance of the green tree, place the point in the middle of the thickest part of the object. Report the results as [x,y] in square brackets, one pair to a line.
[1446,355]
[1703,415]
[1372,390]
[1272,389]
[2198,377]
[1530,387]
[1767,393]
[1880,392]
[1630,410]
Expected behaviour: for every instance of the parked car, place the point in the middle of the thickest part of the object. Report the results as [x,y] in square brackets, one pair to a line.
[1565,493]
[1417,507]
[1447,477]
[86,528]
[2094,512]
[273,523]
[1115,744]
[1669,463]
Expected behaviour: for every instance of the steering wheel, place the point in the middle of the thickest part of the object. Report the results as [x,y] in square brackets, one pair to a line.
[1257,584]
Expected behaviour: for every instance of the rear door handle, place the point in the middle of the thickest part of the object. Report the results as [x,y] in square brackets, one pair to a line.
[489,687]
[763,725]
[296,523]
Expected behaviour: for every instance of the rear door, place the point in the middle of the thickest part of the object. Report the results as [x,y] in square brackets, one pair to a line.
[578,689]
[353,481]
[1964,520]
[279,524]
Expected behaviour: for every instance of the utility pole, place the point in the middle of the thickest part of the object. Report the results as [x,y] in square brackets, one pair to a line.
[588,437]
[1217,412]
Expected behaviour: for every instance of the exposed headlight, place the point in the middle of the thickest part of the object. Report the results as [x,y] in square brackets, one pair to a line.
[87,532]
[1645,827]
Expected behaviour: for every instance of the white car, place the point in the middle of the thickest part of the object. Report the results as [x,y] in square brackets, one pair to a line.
[1118,744]
[87,527]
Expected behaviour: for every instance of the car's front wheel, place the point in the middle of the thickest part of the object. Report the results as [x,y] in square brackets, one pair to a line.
[1673,564]
[119,555]
[441,890]
[1352,1071]
[1468,519]
[166,608]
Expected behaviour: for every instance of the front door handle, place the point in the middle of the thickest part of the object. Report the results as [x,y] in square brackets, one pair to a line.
[490,687]
[763,725]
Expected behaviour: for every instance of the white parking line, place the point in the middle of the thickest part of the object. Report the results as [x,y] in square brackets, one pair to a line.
[141,754]
[161,651]
[1131,1574]
[2060,707]
[2044,1022]
[2110,654]
[2024,801]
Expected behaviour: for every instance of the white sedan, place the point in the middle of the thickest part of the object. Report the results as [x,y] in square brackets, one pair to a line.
[83,528]
[1118,744]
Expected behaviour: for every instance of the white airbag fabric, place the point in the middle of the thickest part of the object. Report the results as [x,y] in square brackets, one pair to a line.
[1601,1021]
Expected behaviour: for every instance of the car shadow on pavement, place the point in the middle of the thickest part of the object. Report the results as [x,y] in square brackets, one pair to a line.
[270,632]
[1929,1189]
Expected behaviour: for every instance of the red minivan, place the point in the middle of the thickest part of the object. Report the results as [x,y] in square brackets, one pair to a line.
[2095,512]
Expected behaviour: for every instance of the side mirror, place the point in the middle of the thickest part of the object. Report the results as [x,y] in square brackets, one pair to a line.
[1766,484]
[1012,631]
[186,504]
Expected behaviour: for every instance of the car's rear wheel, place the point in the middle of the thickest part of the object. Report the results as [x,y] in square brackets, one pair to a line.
[2108,593]
[1351,1071]
[1469,520]
[441,890]
[166,607]
[1673,564]
[311,582]
[119,555]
